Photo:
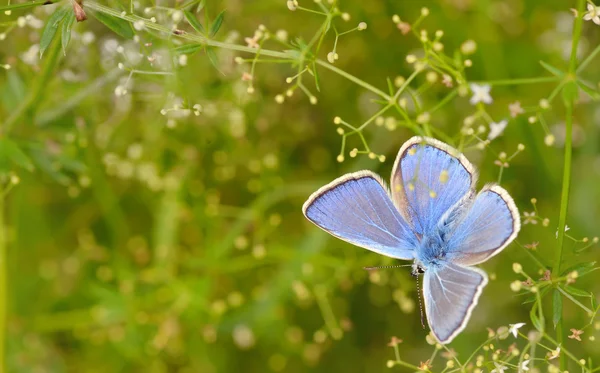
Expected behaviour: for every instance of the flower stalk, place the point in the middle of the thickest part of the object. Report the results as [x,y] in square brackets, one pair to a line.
[569,94]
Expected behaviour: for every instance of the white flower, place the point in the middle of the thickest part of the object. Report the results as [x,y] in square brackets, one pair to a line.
[593,14]
[499,368]
[524,366]
[554,353]
[514,328]
[496,129]
[515,109]
[481,93]
[566,229]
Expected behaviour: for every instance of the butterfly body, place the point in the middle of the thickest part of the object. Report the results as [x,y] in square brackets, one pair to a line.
[432,216]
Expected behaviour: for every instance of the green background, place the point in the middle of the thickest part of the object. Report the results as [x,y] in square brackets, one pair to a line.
[188,250]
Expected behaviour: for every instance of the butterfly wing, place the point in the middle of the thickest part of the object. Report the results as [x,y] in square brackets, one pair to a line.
[491,222]
[428,179]
[357,208]
[450,293]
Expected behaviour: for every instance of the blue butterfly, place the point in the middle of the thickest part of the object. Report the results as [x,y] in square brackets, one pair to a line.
[433,216]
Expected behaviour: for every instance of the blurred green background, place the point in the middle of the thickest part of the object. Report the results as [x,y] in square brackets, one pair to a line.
[142,242]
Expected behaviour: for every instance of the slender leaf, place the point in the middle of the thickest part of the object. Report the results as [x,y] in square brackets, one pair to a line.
[557,307]
[316,75]
[536,315]
[581,268]
[10,152]
[188,48]
[576,292]
[214,28]
[390,86]
[201,6]
[66,31]
[553,70]
[189,4]
[595,95]
[51,28]
[212,56]
[532,298]
[117,25]
[193,21]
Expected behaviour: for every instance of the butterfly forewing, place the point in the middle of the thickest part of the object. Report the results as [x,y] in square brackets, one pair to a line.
[428,178]
[358,209]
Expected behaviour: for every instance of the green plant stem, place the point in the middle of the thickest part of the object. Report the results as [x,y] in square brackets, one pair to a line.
[26,5]
[569,98]
[240,48]
[542,79]
[3,286]
[353,79]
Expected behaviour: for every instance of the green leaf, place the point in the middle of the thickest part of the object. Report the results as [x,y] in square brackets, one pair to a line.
[556,307]
[212,56]
[553,70]
[316,75]
[188,48]
[50,28]
[595,95]
[117,25]
[390,86]
[67,24]
[10,152]
[536,315]
[594,302]
[581,268]
[576,292]
[193,21]
[214,28]
[201,6]
[532,298]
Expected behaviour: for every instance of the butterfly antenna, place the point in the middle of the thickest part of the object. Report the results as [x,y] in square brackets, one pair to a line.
[420,302]
[382,267]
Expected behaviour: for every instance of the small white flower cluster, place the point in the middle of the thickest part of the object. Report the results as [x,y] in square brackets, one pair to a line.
[592,14]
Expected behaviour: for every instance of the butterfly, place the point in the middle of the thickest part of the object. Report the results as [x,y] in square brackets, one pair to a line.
[431,215]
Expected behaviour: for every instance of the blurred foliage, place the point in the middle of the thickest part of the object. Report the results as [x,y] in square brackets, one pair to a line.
[152,183]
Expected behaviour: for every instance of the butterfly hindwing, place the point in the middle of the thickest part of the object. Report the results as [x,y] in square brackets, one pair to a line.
[489,224]
[451,292]
[357,208]
[429,178]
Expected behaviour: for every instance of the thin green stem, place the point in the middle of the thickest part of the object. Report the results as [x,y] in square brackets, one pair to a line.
[542,79]
[26,5]
[353,79]
[240,48]
[588,59]
[3,286]
[569,95]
